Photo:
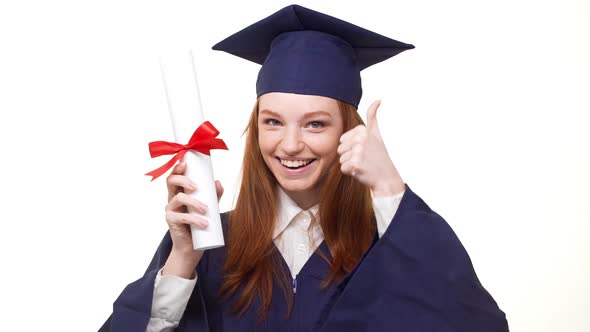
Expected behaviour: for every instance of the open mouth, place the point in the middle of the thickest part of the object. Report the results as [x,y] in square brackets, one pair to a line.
[295,164]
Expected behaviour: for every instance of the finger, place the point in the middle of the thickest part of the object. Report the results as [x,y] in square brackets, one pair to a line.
[355,152]
[346,156]
[349,168]
[358,139]
[372,116]
[179,168]
[175,218]
[175,182]
[351,133]
[182,199]
[344,147]
[218,189]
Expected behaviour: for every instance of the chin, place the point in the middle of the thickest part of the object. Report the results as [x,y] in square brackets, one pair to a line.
[296,185]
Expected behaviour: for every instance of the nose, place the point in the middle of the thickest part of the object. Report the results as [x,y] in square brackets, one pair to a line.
[292,142]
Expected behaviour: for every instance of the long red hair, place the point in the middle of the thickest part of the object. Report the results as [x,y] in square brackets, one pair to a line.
[345,215]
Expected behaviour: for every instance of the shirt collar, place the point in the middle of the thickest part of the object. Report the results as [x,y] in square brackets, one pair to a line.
[288,210]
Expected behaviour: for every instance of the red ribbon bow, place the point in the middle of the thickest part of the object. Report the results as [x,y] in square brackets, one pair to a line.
[203,140]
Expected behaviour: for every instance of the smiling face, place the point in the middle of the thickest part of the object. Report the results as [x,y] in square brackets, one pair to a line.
[298,137]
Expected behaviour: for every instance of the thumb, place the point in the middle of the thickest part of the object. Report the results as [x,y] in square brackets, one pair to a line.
[372,116]
[219,189]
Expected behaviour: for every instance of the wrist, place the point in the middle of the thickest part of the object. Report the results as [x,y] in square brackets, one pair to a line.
[388,188]
[182,263]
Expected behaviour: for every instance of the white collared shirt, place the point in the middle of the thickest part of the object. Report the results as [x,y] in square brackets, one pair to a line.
[297,235]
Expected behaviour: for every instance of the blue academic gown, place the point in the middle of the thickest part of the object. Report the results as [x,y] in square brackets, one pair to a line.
[416,277]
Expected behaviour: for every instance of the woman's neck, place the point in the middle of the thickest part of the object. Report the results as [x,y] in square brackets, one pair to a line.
[304,199]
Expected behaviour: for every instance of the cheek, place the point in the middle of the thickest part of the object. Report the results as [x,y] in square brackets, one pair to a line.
[326,146]
[266,143]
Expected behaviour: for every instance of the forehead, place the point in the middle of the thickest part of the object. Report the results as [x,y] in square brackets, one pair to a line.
[292,104]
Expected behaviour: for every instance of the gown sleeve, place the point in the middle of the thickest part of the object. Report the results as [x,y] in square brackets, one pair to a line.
[132,309]
[416,277]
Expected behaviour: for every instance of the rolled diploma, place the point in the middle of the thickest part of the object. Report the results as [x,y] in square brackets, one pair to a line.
[184,103]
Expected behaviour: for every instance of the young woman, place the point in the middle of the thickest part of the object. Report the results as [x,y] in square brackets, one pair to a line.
[325,234]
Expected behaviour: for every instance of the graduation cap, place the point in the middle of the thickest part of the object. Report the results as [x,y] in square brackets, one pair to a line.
[307,52]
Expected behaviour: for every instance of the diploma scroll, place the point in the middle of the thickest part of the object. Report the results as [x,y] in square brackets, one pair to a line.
[184,103]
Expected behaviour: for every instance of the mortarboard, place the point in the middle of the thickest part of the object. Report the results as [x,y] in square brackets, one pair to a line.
[307,52]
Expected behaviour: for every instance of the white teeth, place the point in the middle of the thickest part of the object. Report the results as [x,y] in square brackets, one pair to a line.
[295,163]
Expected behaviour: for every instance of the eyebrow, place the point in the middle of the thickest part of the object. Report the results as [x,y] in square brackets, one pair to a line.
[306,115]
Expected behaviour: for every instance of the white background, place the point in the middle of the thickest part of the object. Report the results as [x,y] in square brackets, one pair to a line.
[487,120]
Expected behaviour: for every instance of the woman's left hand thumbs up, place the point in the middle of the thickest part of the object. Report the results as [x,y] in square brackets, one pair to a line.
[364,156]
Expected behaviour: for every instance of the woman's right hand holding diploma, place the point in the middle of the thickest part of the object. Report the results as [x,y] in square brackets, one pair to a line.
[183,258]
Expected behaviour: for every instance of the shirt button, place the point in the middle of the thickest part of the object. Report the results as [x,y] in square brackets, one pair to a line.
[301,247]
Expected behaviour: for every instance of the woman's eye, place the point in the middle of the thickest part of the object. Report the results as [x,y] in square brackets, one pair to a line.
[273,122]
[316,124]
